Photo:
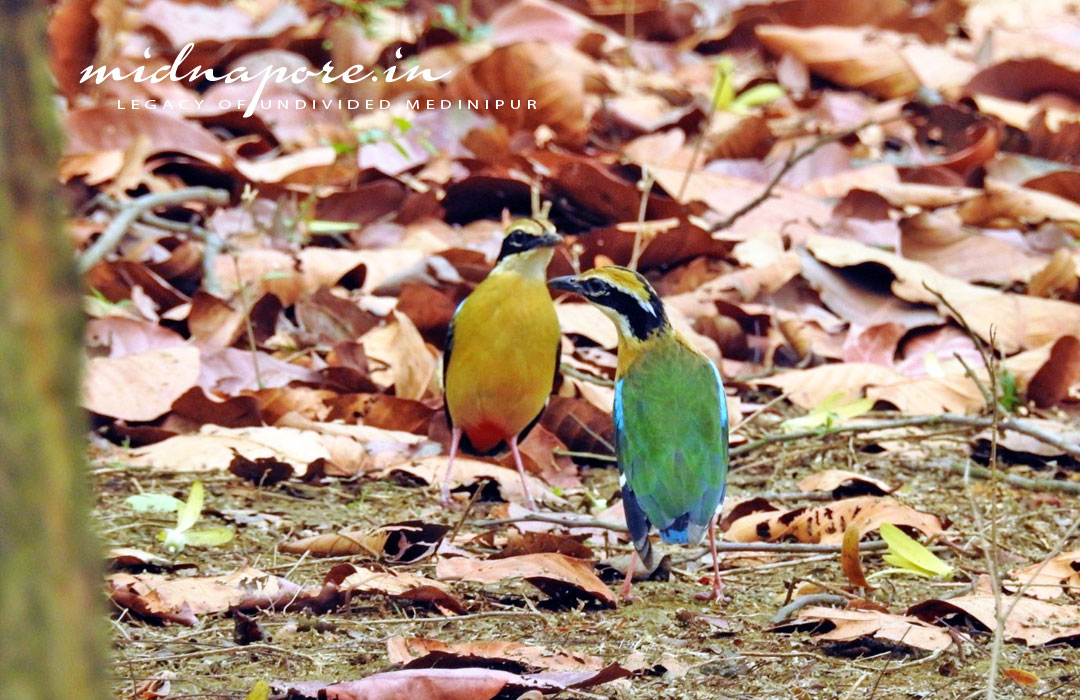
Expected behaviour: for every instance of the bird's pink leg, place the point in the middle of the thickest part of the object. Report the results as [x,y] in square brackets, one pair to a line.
[718,585]
[624,592]
[521,472]
[445,491]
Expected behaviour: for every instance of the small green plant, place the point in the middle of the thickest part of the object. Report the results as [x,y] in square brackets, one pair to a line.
[725,97]
[175,539]
[370,13]
[458,23]
[1008,393]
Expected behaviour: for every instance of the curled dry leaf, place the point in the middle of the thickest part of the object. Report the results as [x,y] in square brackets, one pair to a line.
[1031,621]
[453,684]
[519,543]
[214,448]
[418,652]
[183,599]
[559,576]
[849,625]
[468,472]
[761,522]
[854,57]
[409,366]
[551,75]
[1054,578]
[1061,371]
[588,321]
[399,542]
[844,483]
[1019,321]
[346,579]
[140,387]
[849,557]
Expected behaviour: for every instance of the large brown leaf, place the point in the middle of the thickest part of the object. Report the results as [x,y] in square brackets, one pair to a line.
[184,599]
[557,575]
[1031,621]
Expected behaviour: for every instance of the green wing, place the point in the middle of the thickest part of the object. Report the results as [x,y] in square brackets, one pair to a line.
[672,433]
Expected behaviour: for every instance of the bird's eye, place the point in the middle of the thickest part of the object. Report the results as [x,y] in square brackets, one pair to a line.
[517,239]
[593,287]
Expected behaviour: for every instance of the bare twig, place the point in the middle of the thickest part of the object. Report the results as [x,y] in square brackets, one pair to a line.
[1014,424]
[585,376]
[793,158]
[1022,482]
[134,210]
[641,232]
[806,601]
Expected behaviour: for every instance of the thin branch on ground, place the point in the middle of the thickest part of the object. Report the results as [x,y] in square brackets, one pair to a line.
[1014,424]
[806,601]
[1022,482]
[585,376]
[794,157]
[135,209]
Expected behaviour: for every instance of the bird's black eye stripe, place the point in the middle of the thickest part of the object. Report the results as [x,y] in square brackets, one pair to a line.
[642,322]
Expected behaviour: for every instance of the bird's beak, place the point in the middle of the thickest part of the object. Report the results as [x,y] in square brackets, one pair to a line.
[566,284]
[550,239]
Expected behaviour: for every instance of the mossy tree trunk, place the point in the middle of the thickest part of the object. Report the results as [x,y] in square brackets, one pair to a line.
[50,604]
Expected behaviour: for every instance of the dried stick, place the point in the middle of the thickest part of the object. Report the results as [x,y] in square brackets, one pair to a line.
[1015,424]
[793,158]
[1022,482]
[135,209]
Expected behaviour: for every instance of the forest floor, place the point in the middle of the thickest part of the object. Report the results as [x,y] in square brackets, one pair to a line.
[675,652]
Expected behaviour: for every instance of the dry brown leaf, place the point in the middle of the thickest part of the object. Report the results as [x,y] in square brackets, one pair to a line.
[344,580]
[183,599]
[849,625]
[399,542]
[410,366]
[97,129]
[260,271]
[468,472]
[588,321]
[1057,279]
[1004,204]
[807,388]
[341,448]
[140,387]
[849,557]
[844,483]
[405,651]
[856,58]
[1031,621]
[1061,371]
[1019,321]
[551,75]
[826,524]
[1051,579]
[557,575]
[326,266]
[940,240]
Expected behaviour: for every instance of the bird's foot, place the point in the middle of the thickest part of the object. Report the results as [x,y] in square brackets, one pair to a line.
[716,594]
[447,500]
[628,598]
